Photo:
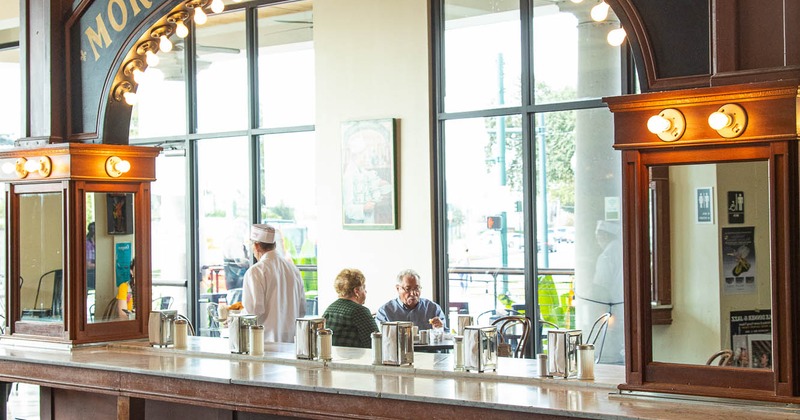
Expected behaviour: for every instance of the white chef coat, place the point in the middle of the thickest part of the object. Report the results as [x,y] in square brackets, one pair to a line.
[273,290]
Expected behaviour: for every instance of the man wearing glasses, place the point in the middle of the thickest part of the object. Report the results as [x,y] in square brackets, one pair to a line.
[409,306]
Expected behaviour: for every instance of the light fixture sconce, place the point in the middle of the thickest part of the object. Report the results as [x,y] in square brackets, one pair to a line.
[134,69]
[200,16]
[43,166]
[179,20]
[162,34]
[729,120]
[115,166]
[148,49]
[124,92]
[668,125]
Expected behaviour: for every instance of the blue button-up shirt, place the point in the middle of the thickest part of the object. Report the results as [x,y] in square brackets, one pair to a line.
[396,310]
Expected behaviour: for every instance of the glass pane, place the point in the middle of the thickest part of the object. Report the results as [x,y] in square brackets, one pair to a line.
[110,256]
[222,73]
[286,65]
[224,227]
[41,257]
[485,225]
[288,201]
[578,218]
[481,54]
[721,274]
[163,84]
[10,91]
[168,218]
[572,57]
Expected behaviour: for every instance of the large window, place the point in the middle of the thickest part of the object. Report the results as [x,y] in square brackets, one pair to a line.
[530,179]
[239,151]
[10,123]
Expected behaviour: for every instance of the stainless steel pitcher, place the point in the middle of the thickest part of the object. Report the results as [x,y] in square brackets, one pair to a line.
[239,337]
[398,343]
[161,327]
[480,348]
[305,338]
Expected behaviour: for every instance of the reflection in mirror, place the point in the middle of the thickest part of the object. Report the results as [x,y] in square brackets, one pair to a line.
[719,243]
[41,257]
[110,294]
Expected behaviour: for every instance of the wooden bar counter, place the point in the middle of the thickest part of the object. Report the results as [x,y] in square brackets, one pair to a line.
[131,380]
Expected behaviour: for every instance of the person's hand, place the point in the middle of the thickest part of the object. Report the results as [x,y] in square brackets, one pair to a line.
[436,322]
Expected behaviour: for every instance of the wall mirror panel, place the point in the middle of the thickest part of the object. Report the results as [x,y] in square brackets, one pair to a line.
[41,257]
[110,254]
[719,264]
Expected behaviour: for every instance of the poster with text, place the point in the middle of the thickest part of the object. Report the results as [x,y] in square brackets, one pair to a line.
[738,260]
[751,338]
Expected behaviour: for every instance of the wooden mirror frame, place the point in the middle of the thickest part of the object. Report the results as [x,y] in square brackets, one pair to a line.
[770,136]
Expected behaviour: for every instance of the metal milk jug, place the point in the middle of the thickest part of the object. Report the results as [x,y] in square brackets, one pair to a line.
[305,338]
[238,333]
[398,343]
[161,327]
[480,348]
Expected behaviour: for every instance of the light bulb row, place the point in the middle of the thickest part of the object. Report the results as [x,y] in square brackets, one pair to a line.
[729,121]
[159,41]
[43,166]
[599,13]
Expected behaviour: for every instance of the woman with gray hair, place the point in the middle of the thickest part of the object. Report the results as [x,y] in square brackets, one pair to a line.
[350,320]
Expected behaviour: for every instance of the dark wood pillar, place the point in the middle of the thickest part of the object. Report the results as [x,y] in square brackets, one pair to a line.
[43,70]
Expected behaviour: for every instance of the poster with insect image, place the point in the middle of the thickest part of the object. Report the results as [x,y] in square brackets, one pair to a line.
[738,260]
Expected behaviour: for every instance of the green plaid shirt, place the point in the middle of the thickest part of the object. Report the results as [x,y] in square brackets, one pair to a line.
[351,323]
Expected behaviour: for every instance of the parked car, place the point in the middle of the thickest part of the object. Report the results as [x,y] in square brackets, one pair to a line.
[563,234]
[551,247]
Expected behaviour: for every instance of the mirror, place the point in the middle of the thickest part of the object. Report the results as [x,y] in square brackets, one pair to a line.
[110,240]
[41,257]
[719,247]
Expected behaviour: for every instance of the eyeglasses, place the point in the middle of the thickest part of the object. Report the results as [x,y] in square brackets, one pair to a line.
[411,290]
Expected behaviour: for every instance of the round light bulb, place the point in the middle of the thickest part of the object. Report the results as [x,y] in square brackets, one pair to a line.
[600,12]
[181,30]
[719,120]
[616,37]
[200,16]
[151,58]
[138,76]
[130,98]
[577,1]
[217,6]
[123,166]
[164,43]
[8,168]
[658,124]
[32,165]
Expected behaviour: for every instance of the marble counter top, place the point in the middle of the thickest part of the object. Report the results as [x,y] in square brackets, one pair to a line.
[515,386]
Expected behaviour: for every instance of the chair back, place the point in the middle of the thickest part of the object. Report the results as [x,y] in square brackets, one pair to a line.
[513,329]
[600,327]
[722,358]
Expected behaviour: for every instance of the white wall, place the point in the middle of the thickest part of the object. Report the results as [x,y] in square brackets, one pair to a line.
[372,62]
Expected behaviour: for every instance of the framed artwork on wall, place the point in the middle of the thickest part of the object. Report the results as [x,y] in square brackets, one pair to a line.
[369,190]
[119,213]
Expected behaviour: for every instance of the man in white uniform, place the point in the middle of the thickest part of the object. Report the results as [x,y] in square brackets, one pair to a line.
[273,288]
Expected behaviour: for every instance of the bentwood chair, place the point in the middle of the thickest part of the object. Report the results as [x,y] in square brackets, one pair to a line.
[722,358]
[513,332]
[599,327]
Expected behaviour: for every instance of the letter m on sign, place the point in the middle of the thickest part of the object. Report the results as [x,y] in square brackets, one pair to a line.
[99,37]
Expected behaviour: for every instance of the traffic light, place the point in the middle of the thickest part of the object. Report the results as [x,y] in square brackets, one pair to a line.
[494,222]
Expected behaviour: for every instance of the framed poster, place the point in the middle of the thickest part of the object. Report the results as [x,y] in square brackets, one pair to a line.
[119,213]
[369,191]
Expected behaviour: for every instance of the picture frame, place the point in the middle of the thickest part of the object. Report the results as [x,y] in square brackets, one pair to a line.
[368,174]
[119,213]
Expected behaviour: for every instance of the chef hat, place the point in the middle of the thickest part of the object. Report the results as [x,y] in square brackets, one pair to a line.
[608,226]
[262,233]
